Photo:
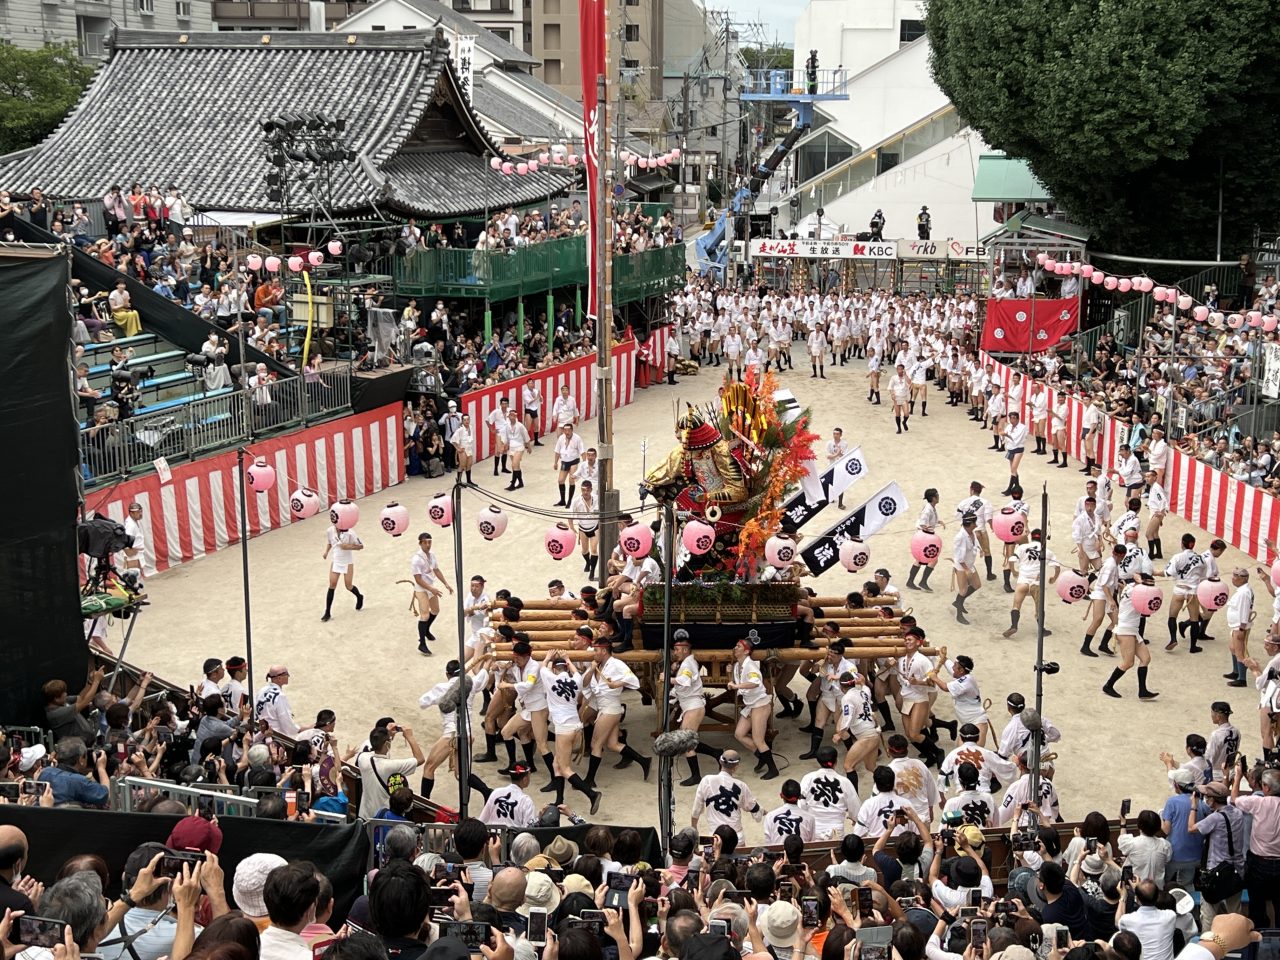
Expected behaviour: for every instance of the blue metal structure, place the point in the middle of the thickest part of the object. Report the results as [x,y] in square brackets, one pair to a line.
[800,89]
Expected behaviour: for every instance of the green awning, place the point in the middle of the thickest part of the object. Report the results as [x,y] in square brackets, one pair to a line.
[1002,179]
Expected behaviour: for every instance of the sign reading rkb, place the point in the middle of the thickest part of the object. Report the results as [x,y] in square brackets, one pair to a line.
[831,249]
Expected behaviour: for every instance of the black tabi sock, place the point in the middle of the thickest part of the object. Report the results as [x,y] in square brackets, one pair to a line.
[328,601]
[479,786]
[592,766]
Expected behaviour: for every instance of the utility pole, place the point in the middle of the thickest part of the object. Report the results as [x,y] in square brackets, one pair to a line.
[731,233]
[684,139]
[622,86]
[602,239]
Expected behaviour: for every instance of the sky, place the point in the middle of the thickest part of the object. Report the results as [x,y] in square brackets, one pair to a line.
[778,16]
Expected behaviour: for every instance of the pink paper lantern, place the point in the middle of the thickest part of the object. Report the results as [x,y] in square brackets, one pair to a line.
[495,163]
[1201,313]
[253,261]
[644,163]
[508,167]
[1086,270]
[780,552]
[1050,264]
[1063,269]
[698,537]
[1269,324]
[1146,600]
[1158,294]
[273,264]
[559,541]
[925,547]
[1235,321]
[303,503]
[1075,267]
[1147,284]
[315,258]
[1110,283]
[1212,594]
[533,166]
[522,168]
[675,153]
[344,514]
[335,248]
[544,157]
[662,162]
[1215,319]
[1072,586]
[574,159]
[395,518]
[1254,317]
[1275,573]
[1097,277]
[1185,302]
[491,522]
[295,264]
[262,476]
[1009,524]
[1125,285]
[854,554]
[636,540]
[440,510]
[1041,258]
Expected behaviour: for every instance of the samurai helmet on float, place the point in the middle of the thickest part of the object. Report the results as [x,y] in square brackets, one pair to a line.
[698,430]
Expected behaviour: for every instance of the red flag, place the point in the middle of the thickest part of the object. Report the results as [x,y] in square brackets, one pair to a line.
[591,15]
[1028,326]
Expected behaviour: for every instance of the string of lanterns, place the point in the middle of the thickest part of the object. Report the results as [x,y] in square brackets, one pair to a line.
[560,158]
[635,540]
[1143,284]
[296,263]
[698,537]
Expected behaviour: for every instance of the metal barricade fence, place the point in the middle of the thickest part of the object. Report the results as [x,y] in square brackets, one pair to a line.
[226,798]
[216,422]
[117,449]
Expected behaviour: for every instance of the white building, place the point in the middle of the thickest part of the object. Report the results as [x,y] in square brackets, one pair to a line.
[516,106]
[86,24]
[896,144]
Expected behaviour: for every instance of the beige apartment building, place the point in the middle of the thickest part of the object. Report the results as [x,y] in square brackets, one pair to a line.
[635,44]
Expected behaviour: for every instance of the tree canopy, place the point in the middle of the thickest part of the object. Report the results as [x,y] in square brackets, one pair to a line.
[37,89]
[1127,111]
[774,56]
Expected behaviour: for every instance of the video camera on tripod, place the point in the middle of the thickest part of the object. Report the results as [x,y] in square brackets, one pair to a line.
[98,538]
[132,376]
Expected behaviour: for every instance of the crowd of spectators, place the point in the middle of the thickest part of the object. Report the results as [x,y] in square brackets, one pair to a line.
[1194,378]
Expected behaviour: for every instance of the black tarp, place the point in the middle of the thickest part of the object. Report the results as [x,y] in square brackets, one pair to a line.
[39,590]
[56,835]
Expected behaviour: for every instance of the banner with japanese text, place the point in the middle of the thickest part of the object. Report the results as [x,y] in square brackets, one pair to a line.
[1028,326]
[874,515]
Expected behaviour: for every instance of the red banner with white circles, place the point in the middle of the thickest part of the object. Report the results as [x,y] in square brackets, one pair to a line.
[1028,326]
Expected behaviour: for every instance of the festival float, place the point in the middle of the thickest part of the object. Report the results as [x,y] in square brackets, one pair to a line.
[740,482]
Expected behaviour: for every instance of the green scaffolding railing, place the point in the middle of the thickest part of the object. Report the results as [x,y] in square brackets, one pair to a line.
[1133,315]
[505,274]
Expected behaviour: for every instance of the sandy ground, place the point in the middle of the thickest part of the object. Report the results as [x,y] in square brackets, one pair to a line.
[364,664]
